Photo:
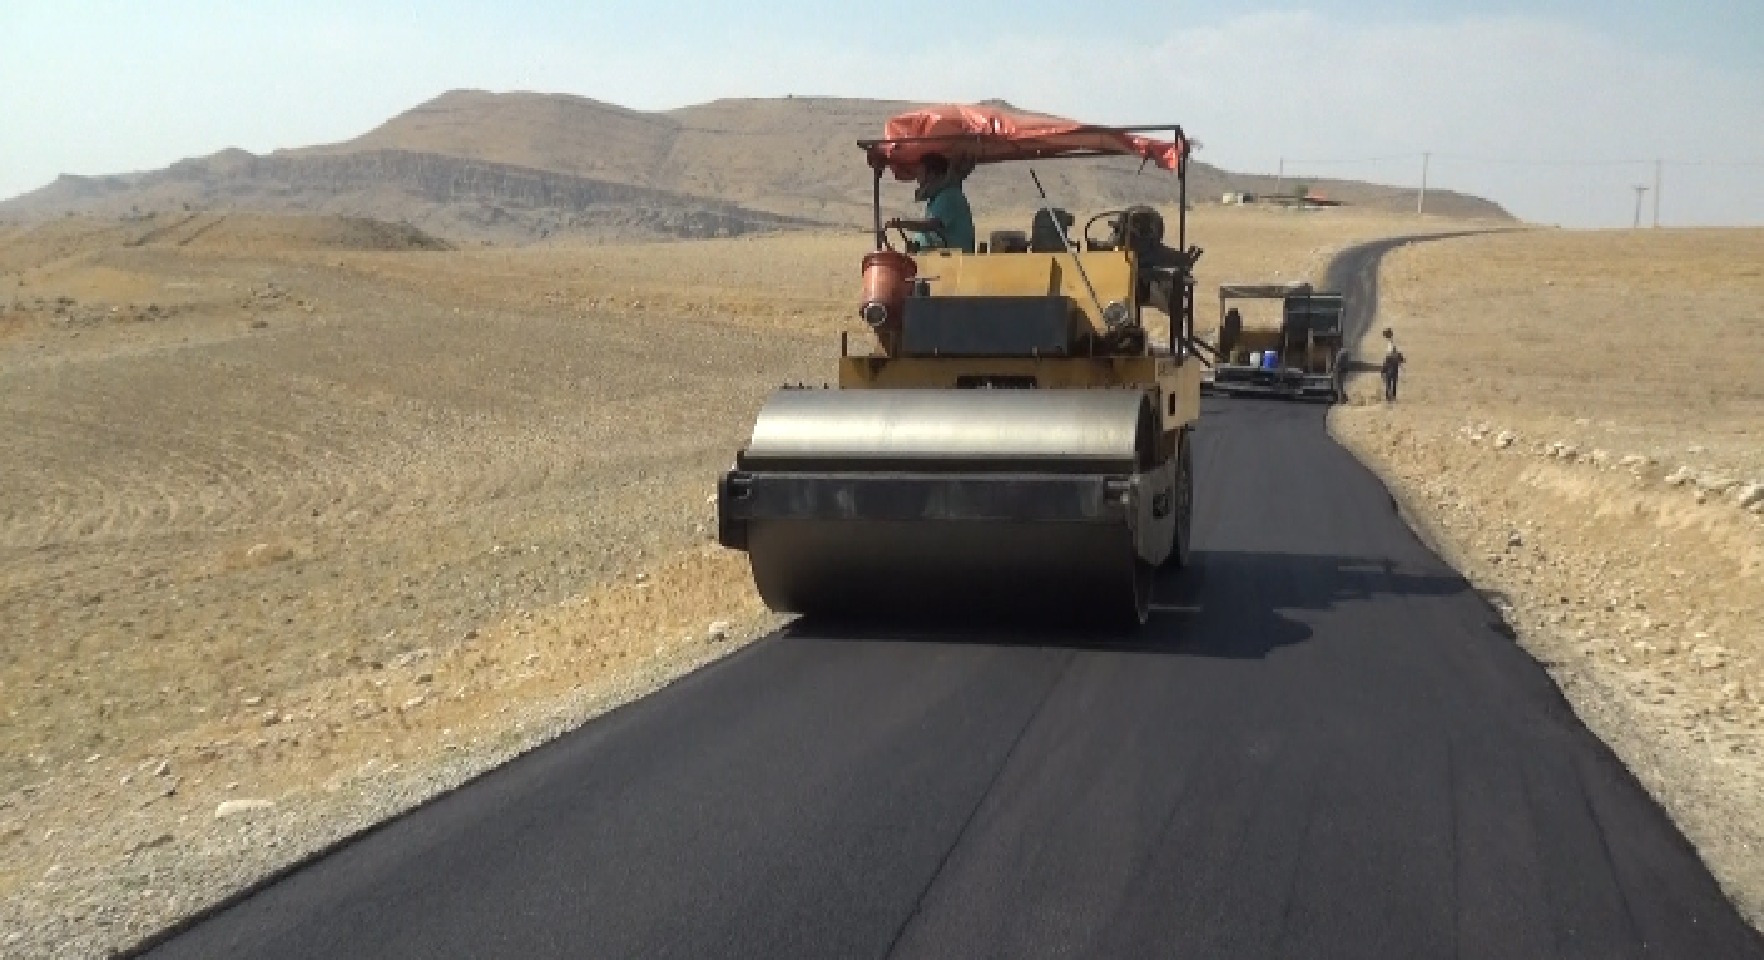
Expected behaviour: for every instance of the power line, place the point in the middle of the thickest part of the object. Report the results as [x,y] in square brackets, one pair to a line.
[1637,162]
[1458,162]
[1517,162]
[1463,158]
[1386,159]
[1715,163]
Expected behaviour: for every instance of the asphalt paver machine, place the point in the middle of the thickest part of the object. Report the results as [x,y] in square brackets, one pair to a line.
[1298,353]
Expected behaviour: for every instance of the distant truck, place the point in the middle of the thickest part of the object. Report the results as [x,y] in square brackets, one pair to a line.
[1301,357]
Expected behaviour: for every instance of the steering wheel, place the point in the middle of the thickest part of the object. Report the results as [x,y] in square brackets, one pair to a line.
[1090,244]
[906,241]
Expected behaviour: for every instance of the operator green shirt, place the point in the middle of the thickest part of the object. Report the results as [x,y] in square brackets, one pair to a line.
[950,208]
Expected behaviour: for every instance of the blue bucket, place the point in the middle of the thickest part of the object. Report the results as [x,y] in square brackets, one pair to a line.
[1270,360]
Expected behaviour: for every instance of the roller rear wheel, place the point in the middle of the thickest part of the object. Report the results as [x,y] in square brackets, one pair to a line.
[1137,611]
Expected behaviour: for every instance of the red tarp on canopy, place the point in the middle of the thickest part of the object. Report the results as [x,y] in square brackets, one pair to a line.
[990,134]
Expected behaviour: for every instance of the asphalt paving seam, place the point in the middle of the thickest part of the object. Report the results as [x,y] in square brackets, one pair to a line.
[1586,794]
[1149,855]
[1453,814]
[1531,809]
[1295,873]
[979,801]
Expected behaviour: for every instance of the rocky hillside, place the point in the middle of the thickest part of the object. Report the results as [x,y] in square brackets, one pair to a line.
[444,195]
[518,167]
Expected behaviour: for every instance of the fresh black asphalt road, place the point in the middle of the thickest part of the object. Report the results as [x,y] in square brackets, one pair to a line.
[1324,744]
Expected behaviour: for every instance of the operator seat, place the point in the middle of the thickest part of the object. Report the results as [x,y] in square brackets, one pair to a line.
[1044,237]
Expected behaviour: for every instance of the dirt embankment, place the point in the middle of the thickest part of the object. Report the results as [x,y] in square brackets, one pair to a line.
[1581,427]
[282,531]
[307,521]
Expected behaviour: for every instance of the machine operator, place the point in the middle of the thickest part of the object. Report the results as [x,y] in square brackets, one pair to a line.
[1141,229]
[948,223]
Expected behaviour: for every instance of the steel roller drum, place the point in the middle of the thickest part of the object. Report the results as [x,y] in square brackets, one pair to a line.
[884,503]
[1044,429]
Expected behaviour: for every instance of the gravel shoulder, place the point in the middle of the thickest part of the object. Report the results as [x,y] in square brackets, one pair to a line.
[1578,431]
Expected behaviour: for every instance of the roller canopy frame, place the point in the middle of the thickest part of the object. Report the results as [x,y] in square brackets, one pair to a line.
[982,134]
[975,134]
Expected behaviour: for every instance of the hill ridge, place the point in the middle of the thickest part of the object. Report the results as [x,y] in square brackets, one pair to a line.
[521,166]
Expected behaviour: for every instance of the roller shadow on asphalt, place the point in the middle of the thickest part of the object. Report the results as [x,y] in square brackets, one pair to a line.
[1226,604]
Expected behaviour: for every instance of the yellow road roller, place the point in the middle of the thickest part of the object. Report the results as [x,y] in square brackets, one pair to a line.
[1017,437]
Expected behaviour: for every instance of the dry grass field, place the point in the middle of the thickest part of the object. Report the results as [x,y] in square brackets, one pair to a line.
[305,519]
[1581,428]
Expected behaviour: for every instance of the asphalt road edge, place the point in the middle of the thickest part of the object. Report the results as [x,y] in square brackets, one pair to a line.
[1354,270]
[553,731]
[1590,697]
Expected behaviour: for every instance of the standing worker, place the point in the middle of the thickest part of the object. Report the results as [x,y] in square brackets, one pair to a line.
[948,223]
[1393,362]
[1230,331]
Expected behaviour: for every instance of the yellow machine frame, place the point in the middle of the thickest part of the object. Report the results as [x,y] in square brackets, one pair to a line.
[1174,378]
[1016,438]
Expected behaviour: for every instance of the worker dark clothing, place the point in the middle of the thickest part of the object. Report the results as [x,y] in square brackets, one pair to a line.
[1393,364]
[1230,330]
[1049,230]
[1141,230]
[949,207]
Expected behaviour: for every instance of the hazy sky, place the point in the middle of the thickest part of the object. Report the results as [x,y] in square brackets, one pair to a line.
[1552,107]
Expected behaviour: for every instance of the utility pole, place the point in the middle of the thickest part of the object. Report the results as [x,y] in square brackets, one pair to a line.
[1280,178]
[1640,189]
[1657,164]
[1421,199]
